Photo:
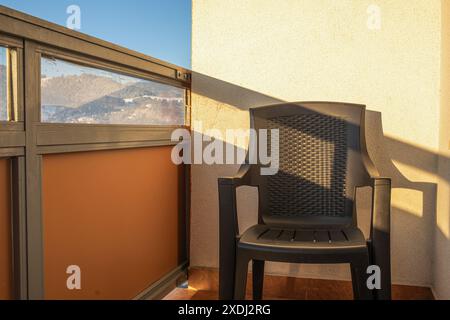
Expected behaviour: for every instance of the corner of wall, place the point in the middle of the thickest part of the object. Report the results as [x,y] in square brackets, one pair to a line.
[441,257]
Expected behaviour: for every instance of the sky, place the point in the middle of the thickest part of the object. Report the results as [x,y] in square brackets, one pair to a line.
[158,28]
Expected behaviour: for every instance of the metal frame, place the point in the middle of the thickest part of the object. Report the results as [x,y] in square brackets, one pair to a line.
[163,286]
[12,147]
[19,225]
[27,140]
[33,175]
[84,134]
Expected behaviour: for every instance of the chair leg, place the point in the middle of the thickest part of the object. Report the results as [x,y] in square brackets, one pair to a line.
[385,293]
[258,279]
[227,270]
[359,279]
[381,257]
[240,280]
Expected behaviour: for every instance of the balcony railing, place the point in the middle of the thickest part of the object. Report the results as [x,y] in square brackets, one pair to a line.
[85,145]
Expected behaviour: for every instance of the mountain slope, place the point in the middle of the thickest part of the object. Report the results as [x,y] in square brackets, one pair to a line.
[76,90]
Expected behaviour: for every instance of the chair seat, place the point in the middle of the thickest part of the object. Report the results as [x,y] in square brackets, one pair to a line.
[310,241]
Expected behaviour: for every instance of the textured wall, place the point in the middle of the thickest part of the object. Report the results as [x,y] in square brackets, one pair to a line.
[248,53]
[441,268]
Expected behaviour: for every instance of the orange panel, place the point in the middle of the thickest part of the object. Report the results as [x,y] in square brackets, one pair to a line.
[5,231]
[115,214]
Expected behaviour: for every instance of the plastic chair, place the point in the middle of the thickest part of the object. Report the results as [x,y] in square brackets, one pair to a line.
[307,211]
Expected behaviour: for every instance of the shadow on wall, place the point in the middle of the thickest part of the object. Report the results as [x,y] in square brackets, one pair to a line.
[413,203]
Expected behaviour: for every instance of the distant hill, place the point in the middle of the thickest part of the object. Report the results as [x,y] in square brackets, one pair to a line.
[74,91]
[146,88]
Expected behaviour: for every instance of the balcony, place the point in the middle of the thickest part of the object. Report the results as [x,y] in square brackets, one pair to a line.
[88,185]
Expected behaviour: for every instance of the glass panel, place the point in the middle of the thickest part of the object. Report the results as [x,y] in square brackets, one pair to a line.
[3,84]
[72,93]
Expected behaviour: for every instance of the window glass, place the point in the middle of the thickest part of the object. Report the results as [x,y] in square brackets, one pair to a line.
[3,84]
[72,93]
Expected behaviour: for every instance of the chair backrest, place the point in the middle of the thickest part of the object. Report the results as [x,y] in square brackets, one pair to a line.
[322,158]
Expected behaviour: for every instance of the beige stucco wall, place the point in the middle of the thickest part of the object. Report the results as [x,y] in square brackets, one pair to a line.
[441,274]
[254,52]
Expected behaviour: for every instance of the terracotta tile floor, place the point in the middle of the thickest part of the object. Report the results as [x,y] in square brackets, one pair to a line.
[203,286]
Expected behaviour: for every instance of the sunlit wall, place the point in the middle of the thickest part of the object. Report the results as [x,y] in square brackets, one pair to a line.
[384,54]
[441,281]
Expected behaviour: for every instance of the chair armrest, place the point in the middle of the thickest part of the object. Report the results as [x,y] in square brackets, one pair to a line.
[241,178]
[380,181]
[381,204]
[228,222]
[229,229]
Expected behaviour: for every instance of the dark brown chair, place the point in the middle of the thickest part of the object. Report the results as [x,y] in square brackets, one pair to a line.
[307,211]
